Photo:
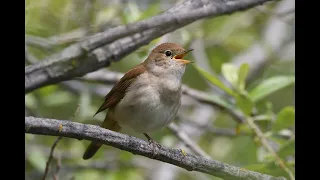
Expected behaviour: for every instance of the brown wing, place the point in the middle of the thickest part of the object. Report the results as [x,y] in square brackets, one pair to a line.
[119,90]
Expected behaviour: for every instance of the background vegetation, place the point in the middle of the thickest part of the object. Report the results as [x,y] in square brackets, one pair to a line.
[244,62]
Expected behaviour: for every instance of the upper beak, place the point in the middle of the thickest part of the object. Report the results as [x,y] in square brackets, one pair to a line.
[179,57]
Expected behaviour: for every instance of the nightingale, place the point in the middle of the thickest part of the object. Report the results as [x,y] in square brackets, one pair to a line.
[147,97]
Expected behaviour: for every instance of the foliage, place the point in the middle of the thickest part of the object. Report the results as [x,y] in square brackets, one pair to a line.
[266,98]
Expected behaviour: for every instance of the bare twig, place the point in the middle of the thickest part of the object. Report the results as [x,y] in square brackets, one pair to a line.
[186,139]
[55,175]
[77,59]
[54,145]
[50,157]
[137,146]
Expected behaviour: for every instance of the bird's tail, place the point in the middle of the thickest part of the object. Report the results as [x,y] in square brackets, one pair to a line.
[108,123]
[91,150]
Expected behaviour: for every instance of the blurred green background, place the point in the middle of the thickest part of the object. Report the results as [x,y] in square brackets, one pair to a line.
[262,37]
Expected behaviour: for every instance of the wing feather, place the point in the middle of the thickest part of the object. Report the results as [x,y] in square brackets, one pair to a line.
[119,90]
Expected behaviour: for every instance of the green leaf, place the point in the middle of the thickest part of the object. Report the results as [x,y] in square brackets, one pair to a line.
[270,86]
[220,101]
[262,117]
[285,119]
[287,149]
[230,72]
[214,80]
[242,75]
[245,104]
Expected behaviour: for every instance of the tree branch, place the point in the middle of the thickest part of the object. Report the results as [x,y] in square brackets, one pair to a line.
[134,145]
[85,57]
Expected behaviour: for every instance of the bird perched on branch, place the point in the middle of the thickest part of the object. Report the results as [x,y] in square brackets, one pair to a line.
[147,97]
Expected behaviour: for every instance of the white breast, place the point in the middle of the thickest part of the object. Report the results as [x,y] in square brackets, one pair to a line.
[149,104]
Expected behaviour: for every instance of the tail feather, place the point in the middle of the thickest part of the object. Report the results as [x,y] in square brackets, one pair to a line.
[91,150]
[108,123]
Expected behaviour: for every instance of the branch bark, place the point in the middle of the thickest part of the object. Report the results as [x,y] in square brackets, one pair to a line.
[87,56]
[137,146]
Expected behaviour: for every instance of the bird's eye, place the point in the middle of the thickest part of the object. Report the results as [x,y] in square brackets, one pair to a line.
[168,53]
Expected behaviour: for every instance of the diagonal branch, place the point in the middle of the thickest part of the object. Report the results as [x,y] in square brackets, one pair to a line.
[87,56]
[134,145]
[211,9]
[265,143]
[174,128]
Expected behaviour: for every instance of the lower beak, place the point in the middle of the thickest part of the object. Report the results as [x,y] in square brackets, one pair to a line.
[183,61]
[180,56]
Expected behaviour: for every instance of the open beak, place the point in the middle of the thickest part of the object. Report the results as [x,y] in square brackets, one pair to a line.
[179,57]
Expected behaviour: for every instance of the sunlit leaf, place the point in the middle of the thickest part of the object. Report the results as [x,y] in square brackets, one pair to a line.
[242,75]
[285,119]
[270,86]
[263,117]
[214,80]
[230,72]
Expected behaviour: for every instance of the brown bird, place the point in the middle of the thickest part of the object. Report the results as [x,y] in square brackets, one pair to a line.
[147,97]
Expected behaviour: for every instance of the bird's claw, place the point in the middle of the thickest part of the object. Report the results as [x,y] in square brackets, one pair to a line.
[155,147]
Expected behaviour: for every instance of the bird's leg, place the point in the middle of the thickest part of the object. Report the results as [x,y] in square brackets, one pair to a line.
[156,146]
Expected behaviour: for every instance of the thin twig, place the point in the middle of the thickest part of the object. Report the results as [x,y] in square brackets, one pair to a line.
[187,141]
[55,144]
[137,146]
[50,157]
[264,142]
[55,175]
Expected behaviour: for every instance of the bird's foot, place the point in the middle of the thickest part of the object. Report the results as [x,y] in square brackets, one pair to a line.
[155,146]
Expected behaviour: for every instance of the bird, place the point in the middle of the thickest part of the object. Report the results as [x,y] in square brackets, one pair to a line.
[147,97]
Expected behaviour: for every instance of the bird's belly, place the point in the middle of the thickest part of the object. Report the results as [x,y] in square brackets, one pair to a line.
[144,111]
